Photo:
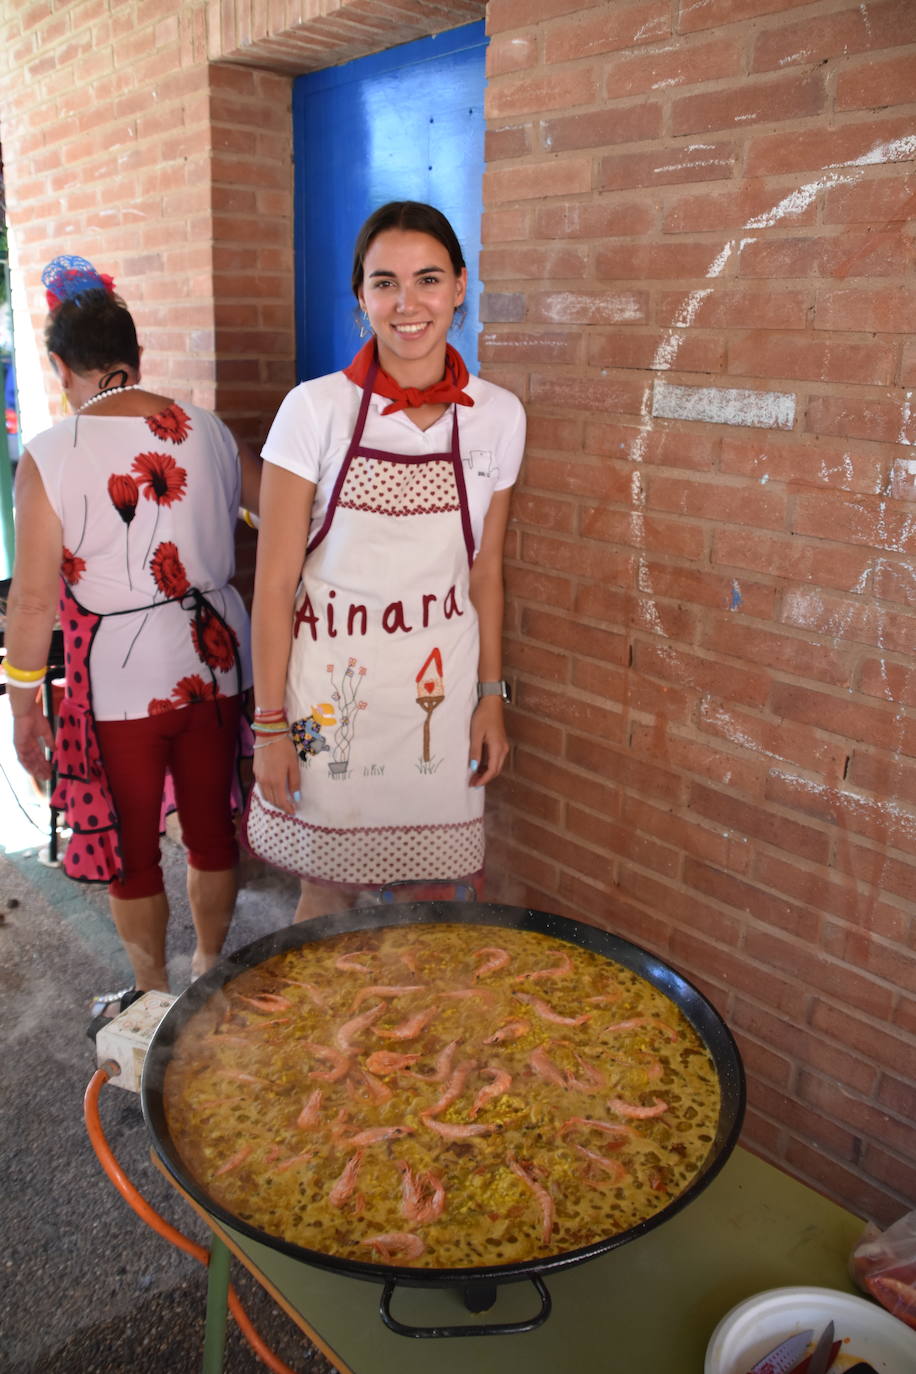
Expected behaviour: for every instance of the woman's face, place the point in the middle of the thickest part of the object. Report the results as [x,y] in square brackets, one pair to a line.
[410,292]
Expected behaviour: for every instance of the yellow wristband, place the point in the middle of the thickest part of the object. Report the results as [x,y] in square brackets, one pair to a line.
[23,675]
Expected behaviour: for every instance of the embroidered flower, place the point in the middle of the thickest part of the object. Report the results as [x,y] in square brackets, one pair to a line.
[171,423]
[124,494]
[163,481]
[159,705]
[72,566]
[214,642]
[168,570]
[193,688]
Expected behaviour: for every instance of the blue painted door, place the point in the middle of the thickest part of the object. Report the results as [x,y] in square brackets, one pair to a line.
[406,124]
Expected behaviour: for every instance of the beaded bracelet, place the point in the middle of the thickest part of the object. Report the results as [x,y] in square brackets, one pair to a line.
[24,675]
[264,743]
[279,727]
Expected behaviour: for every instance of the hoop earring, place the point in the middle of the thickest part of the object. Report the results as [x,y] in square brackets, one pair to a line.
[363,330]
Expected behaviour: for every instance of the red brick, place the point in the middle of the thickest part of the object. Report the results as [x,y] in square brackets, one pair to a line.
[571,556]
[884,774]
[817,37]
[575,637]
[602,128]
[514,141]
[878,869]
[886,421]
[696,758]
[744,306]
[899,1097]
[627,771]
[614,838]
[706,843]
[855,1193]
[593,220]
[708,14]
[877,83]
[535,180]
[706,675]
[867,1040]
[696,352]
[803,358]
[715,500]
[875,200]
[869,520]
[572,392]
[891,963]
[883,822]
[662,447]
[750,102]
[795,1040]
[609,28]
[813,149]
[511,53]
[643,532]
[540,347]
[826,566]
[838,715]
[770,739]
[600,481]
[804,463]
[588,307]
[680,64]
[667,166]
[797,656]
[880,677]
[516,14]
[713,211]
[506,226]
[635,262]
[538,91]
[854,620]
[563,260]
[704,589]
[899,1174]
[637,695]
[564,851]
[883,310]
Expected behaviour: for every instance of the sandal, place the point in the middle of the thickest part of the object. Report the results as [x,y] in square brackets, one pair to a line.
[109,1005]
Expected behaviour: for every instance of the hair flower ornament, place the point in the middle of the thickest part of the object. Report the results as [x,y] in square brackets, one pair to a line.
[68,277]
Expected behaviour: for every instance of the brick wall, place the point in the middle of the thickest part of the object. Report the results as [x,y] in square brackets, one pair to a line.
[699,271]
[700,277]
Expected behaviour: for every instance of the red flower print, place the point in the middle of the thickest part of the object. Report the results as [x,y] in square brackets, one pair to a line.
[171,423]
[163,481]
[124,494]
[72,567]
[215,643]
[168,570]
[159,705]
[193,688]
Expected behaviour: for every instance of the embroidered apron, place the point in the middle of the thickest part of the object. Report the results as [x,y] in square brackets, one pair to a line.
[383,679]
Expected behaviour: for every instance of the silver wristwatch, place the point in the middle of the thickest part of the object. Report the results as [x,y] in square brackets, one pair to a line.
[494,689]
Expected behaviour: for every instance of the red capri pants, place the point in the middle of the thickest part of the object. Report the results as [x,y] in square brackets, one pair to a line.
[197,744]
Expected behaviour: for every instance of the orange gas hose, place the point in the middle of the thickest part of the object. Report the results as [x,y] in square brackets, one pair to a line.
[159,1224]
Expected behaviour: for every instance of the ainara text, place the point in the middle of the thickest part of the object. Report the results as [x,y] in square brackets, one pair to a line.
[353,620]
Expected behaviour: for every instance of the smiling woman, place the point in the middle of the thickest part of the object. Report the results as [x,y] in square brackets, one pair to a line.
[383,515]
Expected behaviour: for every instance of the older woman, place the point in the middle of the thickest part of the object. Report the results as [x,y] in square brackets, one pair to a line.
[125,514]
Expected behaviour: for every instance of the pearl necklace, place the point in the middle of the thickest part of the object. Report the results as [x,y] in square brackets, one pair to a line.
[102,395]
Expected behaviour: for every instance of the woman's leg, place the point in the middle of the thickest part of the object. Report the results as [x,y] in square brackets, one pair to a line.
[141,923]
[202,762]
[322,899]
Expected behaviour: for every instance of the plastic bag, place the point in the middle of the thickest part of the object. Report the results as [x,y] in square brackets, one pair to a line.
[883,1264]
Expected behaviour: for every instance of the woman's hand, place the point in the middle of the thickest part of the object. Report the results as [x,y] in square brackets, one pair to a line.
[276,771]
[32,738]
[489,742]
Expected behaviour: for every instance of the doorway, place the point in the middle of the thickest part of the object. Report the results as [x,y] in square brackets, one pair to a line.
[405,124]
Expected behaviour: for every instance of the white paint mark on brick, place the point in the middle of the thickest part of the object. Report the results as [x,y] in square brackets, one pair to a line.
[724,405]
[698,162]
[795,57]
[567,307]
[897,150]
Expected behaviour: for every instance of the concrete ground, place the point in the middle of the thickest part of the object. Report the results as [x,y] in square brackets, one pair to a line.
[85,1286]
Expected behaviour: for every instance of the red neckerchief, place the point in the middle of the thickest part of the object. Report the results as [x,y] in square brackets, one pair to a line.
[451,388]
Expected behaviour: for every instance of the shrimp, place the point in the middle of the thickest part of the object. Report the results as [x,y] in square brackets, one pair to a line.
[423,1194]
[293,1160]
[357,1024]
[633,1109]
[412,1027]
[650,1022]
[235,1161]
[557,971]
[384,991]
[314,992]
[339,1062]
[451,1130]
[375,1134]
[311,1112]
[499,958]
[512,1030]
[547,1013]
[545,1201]
[592,1080]
[266,1001]
[545,1068]
[396,1245]
[612,1166]
[502,1081]
[348,964]
[378,1091]
[608,1127]
[453,1089]
[347,1181]
[388,1061]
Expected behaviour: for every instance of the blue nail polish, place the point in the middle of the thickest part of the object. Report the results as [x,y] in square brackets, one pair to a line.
[473,765]
[297,796]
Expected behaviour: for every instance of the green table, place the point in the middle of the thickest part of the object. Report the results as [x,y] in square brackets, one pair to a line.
[648,1307]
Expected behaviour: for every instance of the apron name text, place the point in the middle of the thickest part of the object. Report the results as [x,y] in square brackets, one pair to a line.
[394,619]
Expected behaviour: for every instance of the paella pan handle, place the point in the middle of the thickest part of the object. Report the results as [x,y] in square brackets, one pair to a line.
[485,1329]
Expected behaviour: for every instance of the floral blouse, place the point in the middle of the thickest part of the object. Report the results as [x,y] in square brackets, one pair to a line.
[148,508]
